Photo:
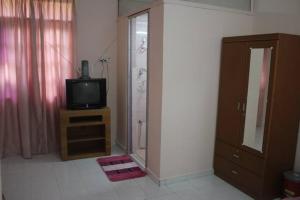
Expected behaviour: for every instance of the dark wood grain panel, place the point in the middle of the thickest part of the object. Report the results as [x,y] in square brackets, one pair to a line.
[252,38]
[85,133]
[230,92]
[239,177]
[260,37]
[244,159]
[258,174]
[285,114]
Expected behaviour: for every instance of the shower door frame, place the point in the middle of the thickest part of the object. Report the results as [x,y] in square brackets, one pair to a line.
[129,85]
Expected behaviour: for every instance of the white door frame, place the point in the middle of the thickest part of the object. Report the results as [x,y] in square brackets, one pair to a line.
[129,86]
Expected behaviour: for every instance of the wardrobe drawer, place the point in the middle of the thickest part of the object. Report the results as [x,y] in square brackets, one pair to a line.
[237,176]
[240,157]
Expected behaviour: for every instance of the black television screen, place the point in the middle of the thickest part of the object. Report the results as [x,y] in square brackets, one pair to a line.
[86,93]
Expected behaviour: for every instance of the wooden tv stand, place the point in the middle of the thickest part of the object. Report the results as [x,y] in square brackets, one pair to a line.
[85,133]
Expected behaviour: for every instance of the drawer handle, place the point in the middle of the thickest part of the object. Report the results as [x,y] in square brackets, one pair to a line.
[234,172]
[236,156]
[244,108]
[238,106]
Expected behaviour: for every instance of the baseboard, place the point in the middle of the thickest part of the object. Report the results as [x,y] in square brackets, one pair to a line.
[186,177]
[177,179]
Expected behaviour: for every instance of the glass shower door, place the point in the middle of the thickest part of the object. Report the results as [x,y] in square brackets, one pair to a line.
[138,67]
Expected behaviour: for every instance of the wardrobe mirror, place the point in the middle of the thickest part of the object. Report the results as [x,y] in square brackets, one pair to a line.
[255,109]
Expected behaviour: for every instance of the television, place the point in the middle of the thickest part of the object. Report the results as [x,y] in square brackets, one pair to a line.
[85,93]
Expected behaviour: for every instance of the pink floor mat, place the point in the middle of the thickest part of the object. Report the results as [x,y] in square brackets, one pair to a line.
[118,168]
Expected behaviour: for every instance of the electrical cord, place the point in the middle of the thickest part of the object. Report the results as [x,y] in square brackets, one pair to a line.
[103,71]
[102,61]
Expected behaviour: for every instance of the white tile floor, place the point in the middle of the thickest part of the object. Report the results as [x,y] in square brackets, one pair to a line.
[48,178]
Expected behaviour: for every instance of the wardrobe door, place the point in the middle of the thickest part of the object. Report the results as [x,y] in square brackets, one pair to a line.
[233,71]
[255,95]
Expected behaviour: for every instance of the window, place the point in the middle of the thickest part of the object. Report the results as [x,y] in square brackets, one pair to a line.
[36,45]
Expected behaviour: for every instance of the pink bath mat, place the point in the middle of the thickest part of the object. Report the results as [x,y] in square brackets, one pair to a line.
[118,168]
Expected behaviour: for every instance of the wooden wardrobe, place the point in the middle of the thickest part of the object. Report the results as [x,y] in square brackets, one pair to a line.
[258,112]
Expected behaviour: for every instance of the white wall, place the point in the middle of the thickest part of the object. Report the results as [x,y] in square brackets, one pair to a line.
[128,6]
[191,75]
[191,64]
[276,23]
[277,6]
[235,4]
[155,71]
[97,32]
[122,74]
[277,16]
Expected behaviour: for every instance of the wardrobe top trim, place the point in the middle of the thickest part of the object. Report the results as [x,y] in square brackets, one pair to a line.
[260,37]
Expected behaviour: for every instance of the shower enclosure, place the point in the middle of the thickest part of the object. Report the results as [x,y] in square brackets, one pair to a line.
[137,91]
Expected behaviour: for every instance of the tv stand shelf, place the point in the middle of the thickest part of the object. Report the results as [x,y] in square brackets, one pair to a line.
[85,133]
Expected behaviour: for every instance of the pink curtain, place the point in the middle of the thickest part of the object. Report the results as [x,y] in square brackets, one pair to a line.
[36,56]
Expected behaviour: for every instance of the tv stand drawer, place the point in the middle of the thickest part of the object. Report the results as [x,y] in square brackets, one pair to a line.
[85,117]
[80,119]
